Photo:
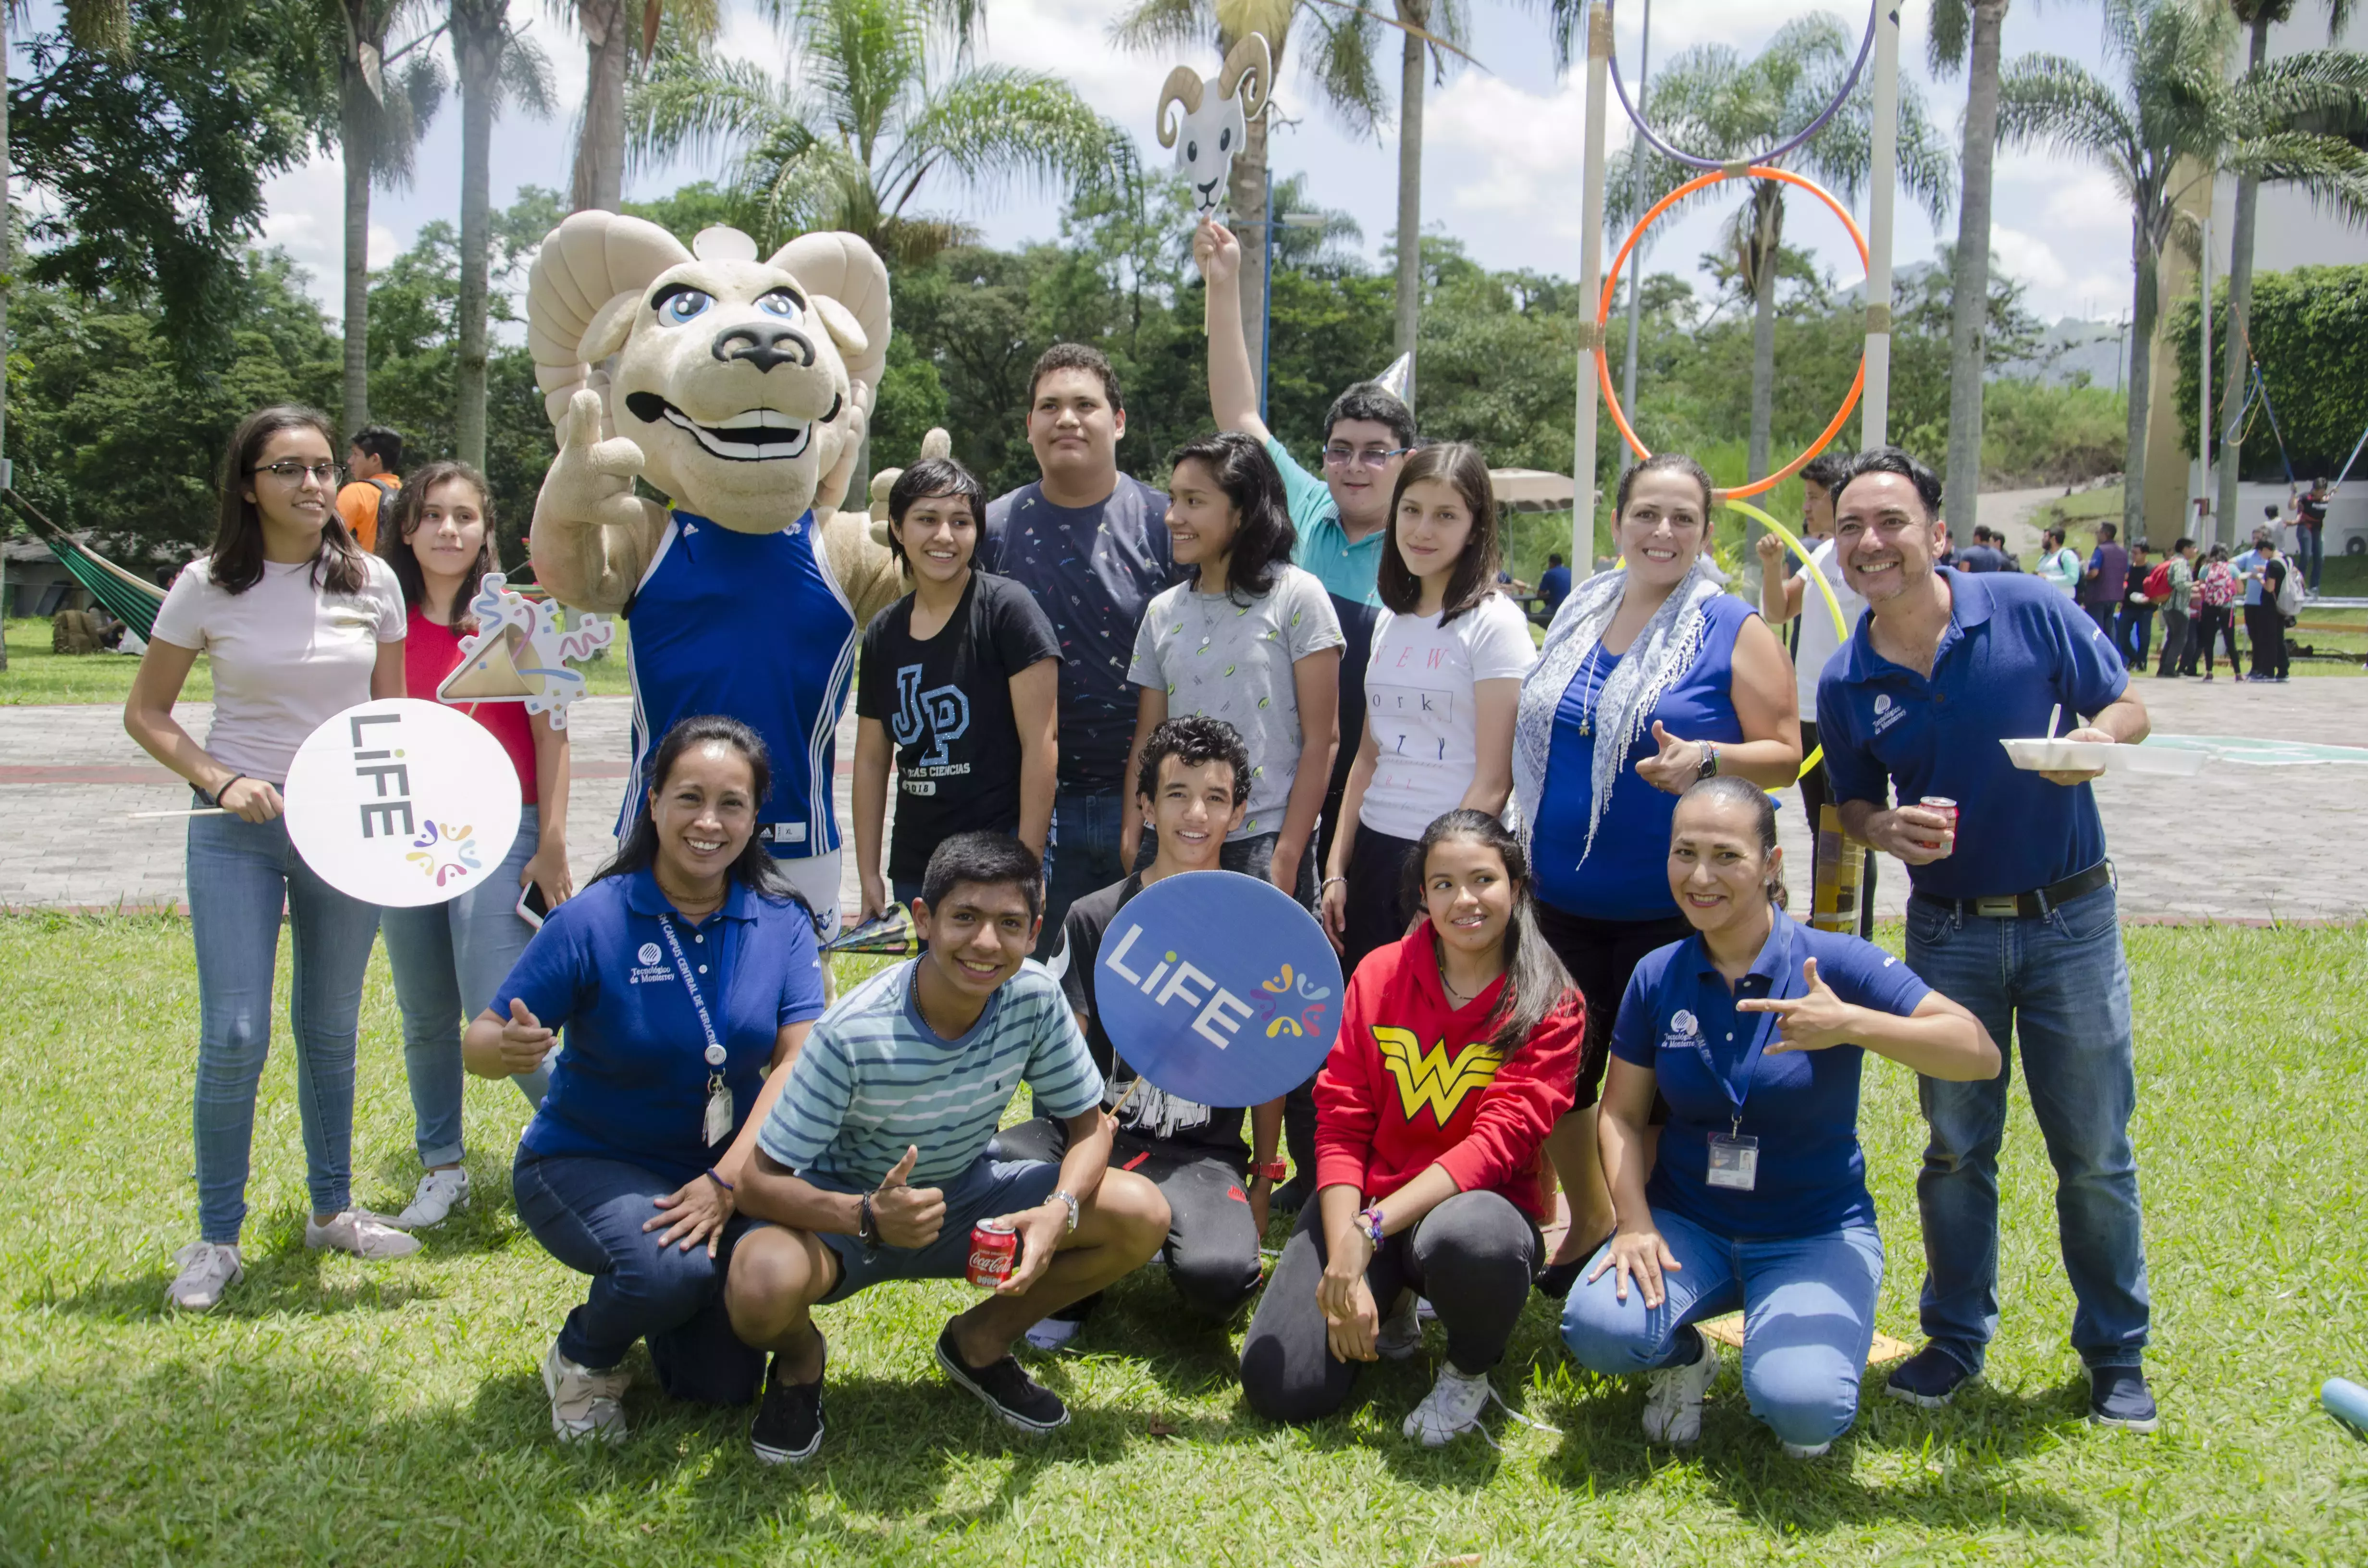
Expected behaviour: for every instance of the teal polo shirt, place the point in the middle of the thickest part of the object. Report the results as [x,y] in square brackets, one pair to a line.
[1347,571]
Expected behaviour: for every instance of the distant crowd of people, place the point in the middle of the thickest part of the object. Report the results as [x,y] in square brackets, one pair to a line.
[1551,868]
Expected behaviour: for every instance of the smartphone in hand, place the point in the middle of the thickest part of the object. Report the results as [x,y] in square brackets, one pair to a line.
[532,907]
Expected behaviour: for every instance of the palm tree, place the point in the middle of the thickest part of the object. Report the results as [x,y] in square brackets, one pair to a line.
[2258,16]
[1715,104]
[2175,113]
[380,124]
[616,34]
[1341,60]
[495,63]
[1964,29]
[869,122]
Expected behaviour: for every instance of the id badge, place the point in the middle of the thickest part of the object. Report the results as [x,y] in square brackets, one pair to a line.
[716,1126]
[1733,1161]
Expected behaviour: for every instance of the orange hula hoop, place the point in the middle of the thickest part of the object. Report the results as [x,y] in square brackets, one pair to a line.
[1611,280]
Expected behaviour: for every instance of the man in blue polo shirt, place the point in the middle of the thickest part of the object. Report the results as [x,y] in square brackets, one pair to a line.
[2012,916]
[1343,522]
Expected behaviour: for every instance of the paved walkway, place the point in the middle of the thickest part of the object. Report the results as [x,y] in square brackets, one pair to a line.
[2233,842]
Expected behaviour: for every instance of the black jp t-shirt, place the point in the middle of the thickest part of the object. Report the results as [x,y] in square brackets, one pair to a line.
[2310,511]
[946,704]
[1152,1113]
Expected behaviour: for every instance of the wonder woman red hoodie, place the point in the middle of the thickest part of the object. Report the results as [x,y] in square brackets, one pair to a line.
[1411,1082]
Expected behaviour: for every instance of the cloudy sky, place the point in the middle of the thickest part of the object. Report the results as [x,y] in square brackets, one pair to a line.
[1500,168]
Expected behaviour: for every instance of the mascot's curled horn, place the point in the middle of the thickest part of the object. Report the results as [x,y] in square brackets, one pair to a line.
[1214,127]
[740,389]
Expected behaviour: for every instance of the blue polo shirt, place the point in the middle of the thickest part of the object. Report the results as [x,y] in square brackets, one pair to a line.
[1678,1019]
[631,1082]
[2013,648]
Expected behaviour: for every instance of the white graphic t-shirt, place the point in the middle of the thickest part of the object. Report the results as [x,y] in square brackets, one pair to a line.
[1419,706]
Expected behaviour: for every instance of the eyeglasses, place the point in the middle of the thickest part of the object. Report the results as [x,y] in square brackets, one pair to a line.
[291,472]
[1371,457]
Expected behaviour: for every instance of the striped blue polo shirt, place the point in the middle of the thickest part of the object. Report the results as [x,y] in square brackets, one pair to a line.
[874,1078]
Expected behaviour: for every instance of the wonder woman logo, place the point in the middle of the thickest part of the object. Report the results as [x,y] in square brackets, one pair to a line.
[1429,1077]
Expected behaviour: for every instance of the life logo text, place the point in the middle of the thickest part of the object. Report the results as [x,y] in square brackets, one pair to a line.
[1184,981]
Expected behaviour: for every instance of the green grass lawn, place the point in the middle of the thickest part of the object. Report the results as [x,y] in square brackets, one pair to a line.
[335,1413]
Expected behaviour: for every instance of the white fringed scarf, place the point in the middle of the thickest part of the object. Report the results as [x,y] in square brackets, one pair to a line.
[1656,661]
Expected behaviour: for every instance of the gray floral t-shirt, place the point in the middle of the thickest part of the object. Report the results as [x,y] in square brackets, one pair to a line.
[1213,653]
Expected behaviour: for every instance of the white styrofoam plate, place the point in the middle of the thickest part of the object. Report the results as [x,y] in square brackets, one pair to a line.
[2039,755]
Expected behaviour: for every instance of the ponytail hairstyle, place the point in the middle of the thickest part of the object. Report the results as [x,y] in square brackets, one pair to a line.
[1263,535]
[1535,981]
[755,868]
[235,564]
[408,507]
[1726,789]
[1459,464]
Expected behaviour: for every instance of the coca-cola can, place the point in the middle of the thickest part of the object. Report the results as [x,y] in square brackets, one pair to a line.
[993,1253]
[1942,804]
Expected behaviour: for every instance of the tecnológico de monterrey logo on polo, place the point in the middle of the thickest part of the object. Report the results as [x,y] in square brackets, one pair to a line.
[1886,711]
[1682,1022]
[650,968]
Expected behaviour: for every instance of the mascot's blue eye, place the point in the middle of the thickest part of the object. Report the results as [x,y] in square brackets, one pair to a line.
[780,303]
[1191,152]
[679,308]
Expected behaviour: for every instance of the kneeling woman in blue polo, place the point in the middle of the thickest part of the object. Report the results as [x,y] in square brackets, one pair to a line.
[685,976]
[1753,1029]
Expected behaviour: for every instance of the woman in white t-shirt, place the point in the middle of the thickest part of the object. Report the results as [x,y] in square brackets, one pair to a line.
[1248,638]
[1441,689]
[296,624]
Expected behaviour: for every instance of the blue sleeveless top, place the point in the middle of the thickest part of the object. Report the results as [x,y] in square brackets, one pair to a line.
[1626,877]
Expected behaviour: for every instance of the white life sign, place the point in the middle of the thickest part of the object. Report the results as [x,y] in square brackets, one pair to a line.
[400,802]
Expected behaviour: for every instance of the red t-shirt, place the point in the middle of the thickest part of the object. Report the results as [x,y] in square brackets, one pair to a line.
[1410,1084]
[429,654]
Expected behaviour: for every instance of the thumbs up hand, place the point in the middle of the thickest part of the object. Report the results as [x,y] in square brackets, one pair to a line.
[1809,1022]
[525,1041]
[907,1216]
[1675,766]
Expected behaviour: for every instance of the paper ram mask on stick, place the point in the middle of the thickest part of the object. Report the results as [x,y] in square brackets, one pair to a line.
[1213,125]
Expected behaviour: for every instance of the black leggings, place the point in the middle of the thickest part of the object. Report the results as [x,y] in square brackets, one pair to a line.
[1213,1248]
[1378,912]
[2267,627]
[2219,623]
[1600,956]
[1474,1256]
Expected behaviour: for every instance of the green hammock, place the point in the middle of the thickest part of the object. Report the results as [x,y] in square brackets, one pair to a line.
[130,599]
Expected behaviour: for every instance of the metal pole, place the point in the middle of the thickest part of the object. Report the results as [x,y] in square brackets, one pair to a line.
[2204,374]
[1590,287]
[1875,406]
[1636,203]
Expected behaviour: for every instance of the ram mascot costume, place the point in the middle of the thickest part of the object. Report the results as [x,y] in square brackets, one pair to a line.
[739,388]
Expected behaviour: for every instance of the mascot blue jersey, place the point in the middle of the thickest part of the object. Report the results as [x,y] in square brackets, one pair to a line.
[753,626]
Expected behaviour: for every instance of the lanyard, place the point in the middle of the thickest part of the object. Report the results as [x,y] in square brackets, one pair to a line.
[1758,1035]
[715,1052]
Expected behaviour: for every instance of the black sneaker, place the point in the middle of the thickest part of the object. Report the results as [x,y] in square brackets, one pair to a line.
[1004,1387]
[788,1428]
[2118,1398]
[1929,1378]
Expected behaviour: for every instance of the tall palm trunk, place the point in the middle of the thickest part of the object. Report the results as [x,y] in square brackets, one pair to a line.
[1970,275]
[355,125]
[1410,85]
[2240,305]
[2144,305]
[599,177]
[479,35]
[1767,236]
[1245,193]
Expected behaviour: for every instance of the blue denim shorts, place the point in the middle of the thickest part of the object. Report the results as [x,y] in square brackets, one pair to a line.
[991,1187]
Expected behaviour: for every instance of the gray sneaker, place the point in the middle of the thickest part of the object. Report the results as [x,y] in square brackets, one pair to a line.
[584,1403]
[208,1268]
[439,1192]
[357,1231]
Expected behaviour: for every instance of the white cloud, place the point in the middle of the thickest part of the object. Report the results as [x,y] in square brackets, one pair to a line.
[1491,146]
[2027,257]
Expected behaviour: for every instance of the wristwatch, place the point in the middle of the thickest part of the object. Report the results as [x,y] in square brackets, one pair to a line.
[1273,1170]
[1069,1199]
[1708,762]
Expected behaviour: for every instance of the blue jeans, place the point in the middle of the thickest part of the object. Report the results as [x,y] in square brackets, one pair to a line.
[1808,1318]
[1081,857]
[448,961]
[240,875]
[2136,635]
[2310,554]
[589,1214]
[2061,985]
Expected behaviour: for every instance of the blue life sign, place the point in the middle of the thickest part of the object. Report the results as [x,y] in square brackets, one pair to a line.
[1217,987]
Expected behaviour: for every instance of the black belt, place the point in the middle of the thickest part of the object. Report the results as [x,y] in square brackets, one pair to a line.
[2023,905]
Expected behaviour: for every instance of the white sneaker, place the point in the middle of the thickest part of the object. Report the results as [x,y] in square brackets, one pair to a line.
[1673,1410]
[1401,1332]
[1052,1334]
[208,1268]
[1451,1408]
[439,1192]
[585,1403]
[1811,1451]
[357,1231]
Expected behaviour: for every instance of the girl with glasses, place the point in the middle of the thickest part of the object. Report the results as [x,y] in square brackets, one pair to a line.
[296,624]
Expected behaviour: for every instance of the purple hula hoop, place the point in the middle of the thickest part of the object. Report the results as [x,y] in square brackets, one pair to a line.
[1850,84]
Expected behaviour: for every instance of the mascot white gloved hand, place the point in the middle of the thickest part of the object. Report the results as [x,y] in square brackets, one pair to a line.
[740,389]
